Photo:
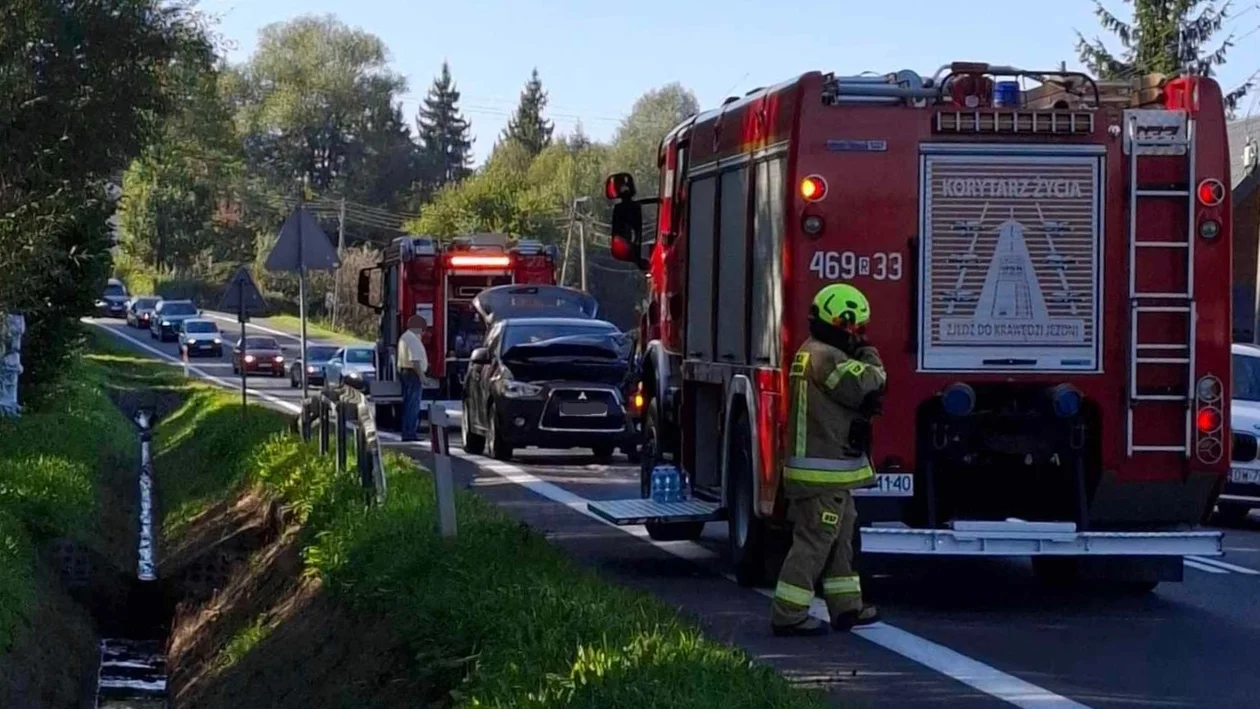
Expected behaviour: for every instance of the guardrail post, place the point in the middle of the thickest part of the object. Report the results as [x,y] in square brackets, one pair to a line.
[343,425]
[324,420]
[443,481]
[306,420]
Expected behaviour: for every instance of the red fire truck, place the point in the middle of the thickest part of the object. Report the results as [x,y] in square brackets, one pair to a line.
[420,275]
[1047,272]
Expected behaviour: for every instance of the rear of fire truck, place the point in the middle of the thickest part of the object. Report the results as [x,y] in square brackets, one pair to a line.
[422,276]
[1048,272]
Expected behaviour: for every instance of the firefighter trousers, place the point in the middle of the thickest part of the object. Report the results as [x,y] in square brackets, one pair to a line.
[823,524]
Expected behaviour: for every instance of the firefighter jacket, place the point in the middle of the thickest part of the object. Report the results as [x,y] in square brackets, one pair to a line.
[828,389]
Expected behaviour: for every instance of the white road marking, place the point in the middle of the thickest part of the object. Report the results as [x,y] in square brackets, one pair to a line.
[950,663]
[1223,565]
[171,359]
[1203,567]
[262,328]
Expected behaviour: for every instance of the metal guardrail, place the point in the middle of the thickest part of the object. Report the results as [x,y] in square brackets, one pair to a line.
[333,415]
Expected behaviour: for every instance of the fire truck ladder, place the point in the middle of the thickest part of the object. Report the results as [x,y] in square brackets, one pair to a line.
[1145,354]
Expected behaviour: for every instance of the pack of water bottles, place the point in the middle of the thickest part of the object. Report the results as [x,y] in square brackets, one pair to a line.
[668,484]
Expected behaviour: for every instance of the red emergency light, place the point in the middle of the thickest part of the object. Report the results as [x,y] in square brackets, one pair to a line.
[480,261]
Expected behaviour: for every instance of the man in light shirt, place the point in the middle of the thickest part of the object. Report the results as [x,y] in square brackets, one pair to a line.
[413,364]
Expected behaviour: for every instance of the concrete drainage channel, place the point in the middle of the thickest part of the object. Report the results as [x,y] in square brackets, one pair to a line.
[133,666]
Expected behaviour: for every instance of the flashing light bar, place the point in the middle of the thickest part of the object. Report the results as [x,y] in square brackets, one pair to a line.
[471,261]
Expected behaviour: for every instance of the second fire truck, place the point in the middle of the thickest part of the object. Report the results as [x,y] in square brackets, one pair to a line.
[420,275]
[1047,273]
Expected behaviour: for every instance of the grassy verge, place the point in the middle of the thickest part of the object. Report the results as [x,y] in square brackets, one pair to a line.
[317,328]
[494,618]
[51,464]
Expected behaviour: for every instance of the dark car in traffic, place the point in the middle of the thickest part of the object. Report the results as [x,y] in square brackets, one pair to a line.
[258,355]
[316,357]
[198,336]
[164,323]
[113,302]
[140,309]
[547,382]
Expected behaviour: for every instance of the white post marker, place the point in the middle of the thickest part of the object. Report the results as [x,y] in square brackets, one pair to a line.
[443,481]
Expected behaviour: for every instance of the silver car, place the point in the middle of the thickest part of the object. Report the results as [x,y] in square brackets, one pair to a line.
[353,366]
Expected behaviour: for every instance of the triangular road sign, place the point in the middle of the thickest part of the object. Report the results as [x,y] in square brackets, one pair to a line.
[302,241]
[242,291]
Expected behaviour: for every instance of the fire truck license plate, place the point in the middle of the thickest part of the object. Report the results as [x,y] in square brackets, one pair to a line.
[889,485]
[1249,476]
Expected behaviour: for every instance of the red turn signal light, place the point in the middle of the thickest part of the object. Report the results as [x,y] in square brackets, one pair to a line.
[813,188]
[1208,420]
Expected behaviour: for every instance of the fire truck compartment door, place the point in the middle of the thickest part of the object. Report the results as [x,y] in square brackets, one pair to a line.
[523,301]
[1011,242]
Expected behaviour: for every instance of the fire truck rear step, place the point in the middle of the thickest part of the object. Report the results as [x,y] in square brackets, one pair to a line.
[1015,538]
[642,511]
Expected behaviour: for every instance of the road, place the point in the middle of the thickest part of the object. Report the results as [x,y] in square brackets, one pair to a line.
[957,633]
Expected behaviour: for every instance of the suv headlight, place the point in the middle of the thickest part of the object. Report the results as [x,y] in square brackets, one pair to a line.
[517,390]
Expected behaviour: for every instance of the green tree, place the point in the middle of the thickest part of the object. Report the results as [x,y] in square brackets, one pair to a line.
[315,99]
[83,86]
[444,133]
[1162,37]
[638,140]
[527,126]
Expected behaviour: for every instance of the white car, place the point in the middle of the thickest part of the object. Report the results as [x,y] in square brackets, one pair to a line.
[1241,492]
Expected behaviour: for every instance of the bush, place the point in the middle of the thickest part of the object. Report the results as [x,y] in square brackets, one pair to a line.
[48,490]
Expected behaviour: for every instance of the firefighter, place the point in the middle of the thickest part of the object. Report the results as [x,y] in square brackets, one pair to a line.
[837,384]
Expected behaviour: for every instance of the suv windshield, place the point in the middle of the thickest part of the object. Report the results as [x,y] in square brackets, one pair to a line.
[200,326]
[359,356]
[115,289]
[261,343]
[1246,378]
[146,303]
[519,334]
[178,309]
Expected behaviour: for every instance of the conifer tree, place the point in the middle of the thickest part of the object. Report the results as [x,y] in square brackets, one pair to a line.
[445,143]
[1164,37]
[528,127]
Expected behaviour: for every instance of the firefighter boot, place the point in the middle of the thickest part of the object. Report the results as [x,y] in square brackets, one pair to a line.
[808,627]
[852,619]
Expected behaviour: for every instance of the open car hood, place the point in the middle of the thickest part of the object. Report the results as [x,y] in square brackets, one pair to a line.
[584,358]
[538,301]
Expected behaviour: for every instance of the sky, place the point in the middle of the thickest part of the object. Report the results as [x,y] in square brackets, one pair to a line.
[595,59]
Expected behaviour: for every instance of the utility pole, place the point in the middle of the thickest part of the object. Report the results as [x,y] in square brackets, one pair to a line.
[341,242]
[581,226]
[568,239]
[302,283]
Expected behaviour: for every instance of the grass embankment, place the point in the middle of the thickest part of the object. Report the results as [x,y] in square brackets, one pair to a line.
[319,329]
[494,618]
[65,471]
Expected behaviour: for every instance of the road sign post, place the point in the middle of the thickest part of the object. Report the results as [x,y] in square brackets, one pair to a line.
[301,247]
[243,296]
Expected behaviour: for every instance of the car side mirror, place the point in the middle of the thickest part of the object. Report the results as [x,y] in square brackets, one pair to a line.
[481,355]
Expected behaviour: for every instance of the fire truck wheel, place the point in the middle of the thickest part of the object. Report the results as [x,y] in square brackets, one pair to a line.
[499,448]
[749,537]
[474,444]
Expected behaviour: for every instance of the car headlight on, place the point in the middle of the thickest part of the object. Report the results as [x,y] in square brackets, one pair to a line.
[279,359]
[312,370]
[249,358]
[166,323]
[517,390]
[100,303]
[217,341]
[352,375]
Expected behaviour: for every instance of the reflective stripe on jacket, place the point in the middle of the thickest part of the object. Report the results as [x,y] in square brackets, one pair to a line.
[827,389]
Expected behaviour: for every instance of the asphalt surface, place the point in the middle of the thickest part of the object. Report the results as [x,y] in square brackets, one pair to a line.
[957,633]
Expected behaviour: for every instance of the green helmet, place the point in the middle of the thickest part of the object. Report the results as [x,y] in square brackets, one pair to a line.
[841,303]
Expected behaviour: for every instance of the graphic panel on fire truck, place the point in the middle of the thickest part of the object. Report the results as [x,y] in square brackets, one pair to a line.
[1010,252]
